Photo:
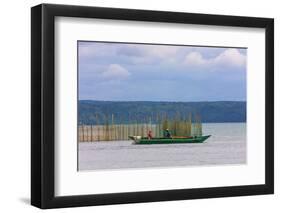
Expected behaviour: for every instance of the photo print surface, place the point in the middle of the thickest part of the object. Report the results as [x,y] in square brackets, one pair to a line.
[160,105]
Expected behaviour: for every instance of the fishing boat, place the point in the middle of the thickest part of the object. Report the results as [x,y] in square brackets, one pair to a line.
[191,139]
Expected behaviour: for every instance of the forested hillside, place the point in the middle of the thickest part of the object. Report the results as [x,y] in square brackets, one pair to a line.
[98,112]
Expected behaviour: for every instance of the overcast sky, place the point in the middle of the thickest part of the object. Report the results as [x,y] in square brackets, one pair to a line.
[138,72]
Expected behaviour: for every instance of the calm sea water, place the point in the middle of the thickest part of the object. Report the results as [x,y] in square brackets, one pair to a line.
[227,145]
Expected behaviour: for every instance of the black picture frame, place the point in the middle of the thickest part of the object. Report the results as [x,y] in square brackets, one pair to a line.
[43,105]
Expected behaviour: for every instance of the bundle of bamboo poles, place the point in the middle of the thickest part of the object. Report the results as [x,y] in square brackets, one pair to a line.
[111,131]
[108,132]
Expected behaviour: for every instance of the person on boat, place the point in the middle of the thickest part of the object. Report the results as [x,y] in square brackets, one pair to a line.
[167,133]
[149,134]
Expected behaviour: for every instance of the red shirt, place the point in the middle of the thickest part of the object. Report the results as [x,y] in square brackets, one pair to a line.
[149,135]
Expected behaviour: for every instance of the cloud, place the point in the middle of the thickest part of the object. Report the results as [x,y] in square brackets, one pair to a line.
[146,54]
[90,50]
[130,51]
[126,53]
[229,58]
[195,58]
[160,51]
[115,71]
[92,53]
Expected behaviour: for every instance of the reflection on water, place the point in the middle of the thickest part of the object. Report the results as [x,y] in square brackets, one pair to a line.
[227,145]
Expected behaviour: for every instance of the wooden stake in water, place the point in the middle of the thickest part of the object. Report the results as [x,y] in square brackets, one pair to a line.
[98,128]
[112,128]
[92,133]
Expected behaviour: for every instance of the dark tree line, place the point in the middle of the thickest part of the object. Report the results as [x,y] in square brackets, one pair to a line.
[125,112]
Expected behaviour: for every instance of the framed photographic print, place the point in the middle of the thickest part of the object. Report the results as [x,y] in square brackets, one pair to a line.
[139,106]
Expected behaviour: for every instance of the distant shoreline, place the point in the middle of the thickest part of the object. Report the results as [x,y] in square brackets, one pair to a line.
[97,112]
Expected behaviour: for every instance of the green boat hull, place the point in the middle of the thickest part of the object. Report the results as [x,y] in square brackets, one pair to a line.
[143,141]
